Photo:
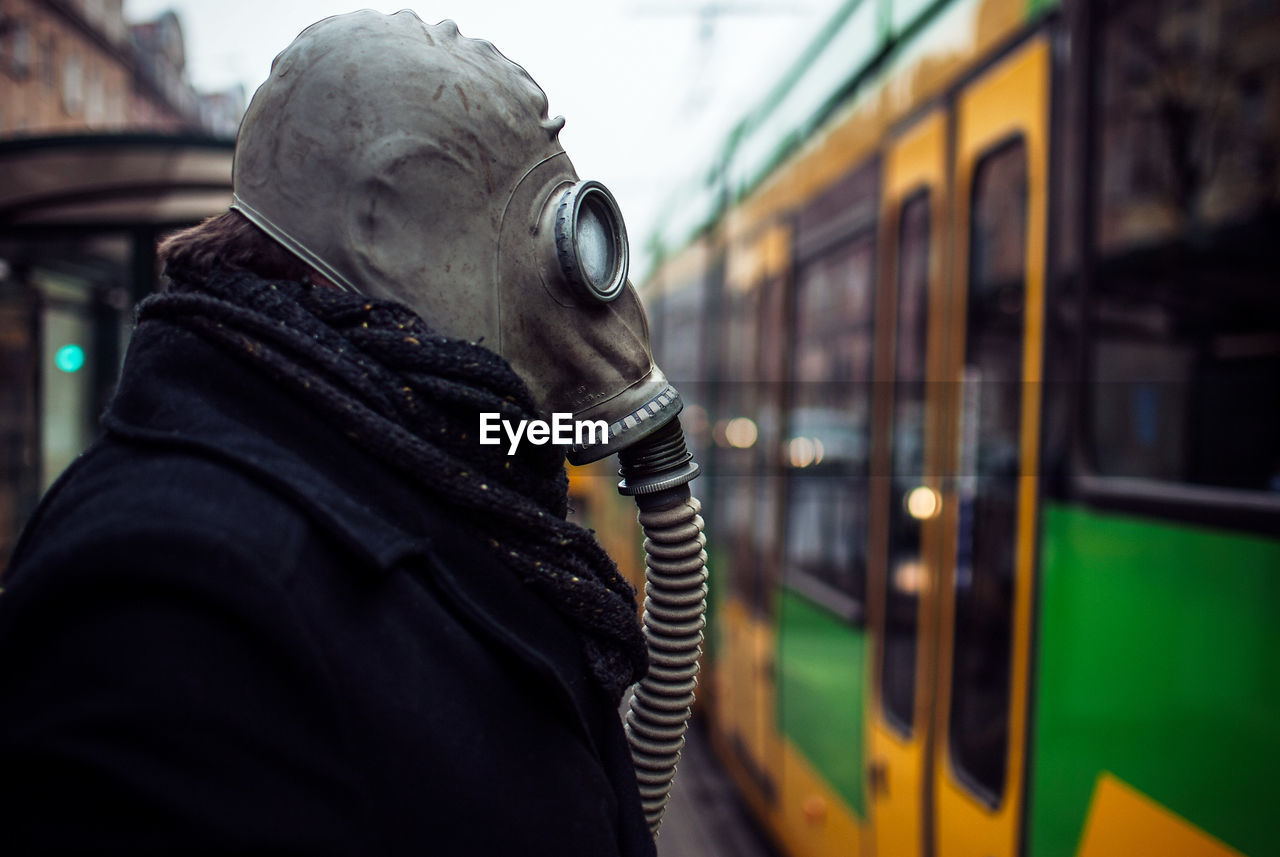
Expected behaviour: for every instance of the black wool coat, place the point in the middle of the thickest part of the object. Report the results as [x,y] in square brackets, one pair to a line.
[227,630]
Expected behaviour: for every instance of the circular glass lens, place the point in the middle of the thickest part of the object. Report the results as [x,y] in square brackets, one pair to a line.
[595,245]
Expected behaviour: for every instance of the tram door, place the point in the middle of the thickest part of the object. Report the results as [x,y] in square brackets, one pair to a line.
[991,428]
[905,542]
[957,423]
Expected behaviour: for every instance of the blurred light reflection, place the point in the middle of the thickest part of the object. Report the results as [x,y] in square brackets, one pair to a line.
[922,503]
[741,433]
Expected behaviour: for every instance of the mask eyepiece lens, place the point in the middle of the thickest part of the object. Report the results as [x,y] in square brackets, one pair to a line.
[591,241]
[596,254]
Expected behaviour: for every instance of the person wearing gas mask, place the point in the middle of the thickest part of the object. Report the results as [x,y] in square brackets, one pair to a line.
[289,602]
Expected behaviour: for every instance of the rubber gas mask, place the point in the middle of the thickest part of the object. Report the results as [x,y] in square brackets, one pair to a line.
[402,161]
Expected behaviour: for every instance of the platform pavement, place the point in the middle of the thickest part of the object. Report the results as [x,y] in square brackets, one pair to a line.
[705,817]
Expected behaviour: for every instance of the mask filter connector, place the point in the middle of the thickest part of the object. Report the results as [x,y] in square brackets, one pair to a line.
[660,462]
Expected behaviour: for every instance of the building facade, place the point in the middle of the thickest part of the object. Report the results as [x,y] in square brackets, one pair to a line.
[74,66]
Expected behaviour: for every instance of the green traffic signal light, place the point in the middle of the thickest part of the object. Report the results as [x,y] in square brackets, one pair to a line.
[70,358]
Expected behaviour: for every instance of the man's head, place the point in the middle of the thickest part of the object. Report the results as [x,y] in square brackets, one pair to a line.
[384,151]
[403,161]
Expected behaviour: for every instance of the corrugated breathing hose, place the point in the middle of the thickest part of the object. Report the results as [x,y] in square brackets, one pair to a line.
[656,471]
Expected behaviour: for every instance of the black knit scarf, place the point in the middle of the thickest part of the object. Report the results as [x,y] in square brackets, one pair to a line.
[412,398]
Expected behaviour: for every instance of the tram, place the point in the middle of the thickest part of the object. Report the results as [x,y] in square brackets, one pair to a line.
[978,321]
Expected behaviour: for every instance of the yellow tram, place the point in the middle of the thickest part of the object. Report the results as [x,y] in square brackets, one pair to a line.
[978,323]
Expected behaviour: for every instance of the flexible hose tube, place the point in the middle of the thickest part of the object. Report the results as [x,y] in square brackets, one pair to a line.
[674,615]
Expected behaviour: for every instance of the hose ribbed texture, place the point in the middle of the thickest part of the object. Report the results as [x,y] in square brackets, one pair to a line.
[674,616]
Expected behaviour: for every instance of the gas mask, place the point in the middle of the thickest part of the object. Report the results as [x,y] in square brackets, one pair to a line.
[403,161]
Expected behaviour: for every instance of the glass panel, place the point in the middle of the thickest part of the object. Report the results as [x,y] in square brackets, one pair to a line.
[736,434]
[765,540]
[681,312]
[988,477]
[910,501]
[828,445]
[1186,131]
[680,317]
[771,484]
[824,543]
[67,423]
[1184,309]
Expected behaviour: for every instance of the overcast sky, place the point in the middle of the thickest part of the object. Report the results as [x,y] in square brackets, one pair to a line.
[649,88]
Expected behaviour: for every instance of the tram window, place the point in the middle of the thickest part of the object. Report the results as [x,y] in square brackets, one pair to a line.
[736,436]
[978,724]
[735,515]
[825,544]
[829,424]
[741,346]
[1186,132]
[768,532]
[1186,367]
[681,317]
[765,540]
[906,562]
[1185,315]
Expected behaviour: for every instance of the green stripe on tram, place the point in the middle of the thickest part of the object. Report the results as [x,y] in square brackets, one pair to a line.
[1157,663]
[822,664]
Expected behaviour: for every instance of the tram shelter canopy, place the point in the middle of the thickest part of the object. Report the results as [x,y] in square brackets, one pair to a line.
[62,192]
[112,180]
